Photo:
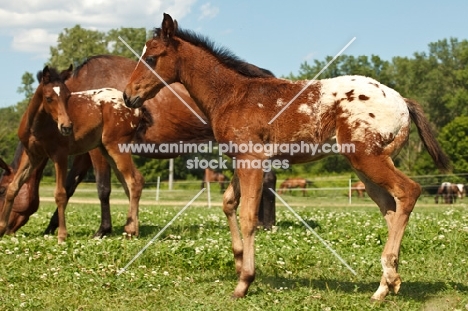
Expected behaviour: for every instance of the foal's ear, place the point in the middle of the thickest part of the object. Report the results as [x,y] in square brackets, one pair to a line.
[168,27]
[5,166]
[46,75]
[64,75]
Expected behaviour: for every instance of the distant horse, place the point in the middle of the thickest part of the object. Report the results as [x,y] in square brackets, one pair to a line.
[360,188]
[57,124]
[296,182]
[449,193]
[244,107]
[212,176]
[461,191]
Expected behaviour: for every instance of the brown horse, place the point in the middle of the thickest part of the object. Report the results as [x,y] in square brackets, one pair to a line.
[296,182]
[212,176]
[246,107]
[360,188]
[57,124]
[449,193]
[26,202]
[461,191]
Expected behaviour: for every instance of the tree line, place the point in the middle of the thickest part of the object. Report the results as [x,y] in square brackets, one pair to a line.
[436,78]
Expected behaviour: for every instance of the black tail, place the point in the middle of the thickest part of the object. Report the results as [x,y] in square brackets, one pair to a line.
[428,136]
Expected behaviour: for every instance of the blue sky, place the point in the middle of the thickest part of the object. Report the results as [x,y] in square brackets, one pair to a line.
[277,35]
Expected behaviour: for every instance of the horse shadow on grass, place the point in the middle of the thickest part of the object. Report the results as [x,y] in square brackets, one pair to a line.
[412,290]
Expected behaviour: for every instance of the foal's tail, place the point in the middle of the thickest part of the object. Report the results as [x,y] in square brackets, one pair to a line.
[428,136]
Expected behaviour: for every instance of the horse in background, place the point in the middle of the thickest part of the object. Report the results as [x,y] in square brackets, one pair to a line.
[461,191]
[213,176]
[449,192]
[358,187]
[296,182]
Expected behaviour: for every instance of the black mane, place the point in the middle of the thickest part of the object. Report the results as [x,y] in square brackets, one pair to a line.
[223,54]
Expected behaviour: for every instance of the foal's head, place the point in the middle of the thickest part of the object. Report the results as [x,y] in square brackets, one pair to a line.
[157,55]
[54,97]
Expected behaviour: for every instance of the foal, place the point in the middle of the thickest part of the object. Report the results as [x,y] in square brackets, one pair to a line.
[57,124]
[241,107]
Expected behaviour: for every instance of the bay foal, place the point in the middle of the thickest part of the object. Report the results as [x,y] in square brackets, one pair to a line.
[57,124]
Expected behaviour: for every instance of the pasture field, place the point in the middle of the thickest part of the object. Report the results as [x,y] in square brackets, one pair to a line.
[191,267]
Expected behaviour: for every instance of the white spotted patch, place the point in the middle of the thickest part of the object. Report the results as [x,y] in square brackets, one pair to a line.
[280,102]
[108,95]
[305,109]
[370,108]
[260,105]
[56,90]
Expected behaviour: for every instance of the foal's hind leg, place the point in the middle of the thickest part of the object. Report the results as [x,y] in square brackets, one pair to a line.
[231,199]
[396,195]
[134,182]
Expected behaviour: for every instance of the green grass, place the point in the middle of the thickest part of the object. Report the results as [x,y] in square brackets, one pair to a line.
[191,266]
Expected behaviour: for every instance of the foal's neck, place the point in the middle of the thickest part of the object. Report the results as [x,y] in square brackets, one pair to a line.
[27,121]
[209,82]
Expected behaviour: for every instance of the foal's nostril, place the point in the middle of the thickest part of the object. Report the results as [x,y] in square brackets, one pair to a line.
[66,130]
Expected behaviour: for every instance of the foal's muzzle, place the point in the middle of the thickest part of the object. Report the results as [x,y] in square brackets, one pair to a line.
[134,102]
[66,130]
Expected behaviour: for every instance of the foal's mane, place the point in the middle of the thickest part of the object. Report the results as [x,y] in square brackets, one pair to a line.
[224,55]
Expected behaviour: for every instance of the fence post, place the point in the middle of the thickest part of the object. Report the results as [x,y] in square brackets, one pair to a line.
[350,191]
[157,188]
[208,191]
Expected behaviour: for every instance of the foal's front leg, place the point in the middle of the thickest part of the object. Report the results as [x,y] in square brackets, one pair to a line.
[61,198]
[251,190]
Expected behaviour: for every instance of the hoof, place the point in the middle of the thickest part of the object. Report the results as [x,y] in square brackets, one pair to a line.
[102,233]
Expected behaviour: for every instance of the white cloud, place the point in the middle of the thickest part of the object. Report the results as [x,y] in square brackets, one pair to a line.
[208,11]
[35,25]
[35,41]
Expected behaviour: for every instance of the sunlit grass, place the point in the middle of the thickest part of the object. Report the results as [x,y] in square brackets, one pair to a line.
[191,266]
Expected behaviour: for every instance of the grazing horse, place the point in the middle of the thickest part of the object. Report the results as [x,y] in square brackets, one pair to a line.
[296,182]
[27,200]
[449,193]
[360,189]
[58,123]
[245,107]
[212,176]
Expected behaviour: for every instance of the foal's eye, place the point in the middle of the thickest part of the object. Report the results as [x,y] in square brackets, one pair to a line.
[2,190]
[150,60]
[49,99]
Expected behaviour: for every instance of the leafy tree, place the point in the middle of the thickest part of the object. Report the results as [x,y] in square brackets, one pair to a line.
[454,140]
[134,37]
[75,45]
[27,81]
